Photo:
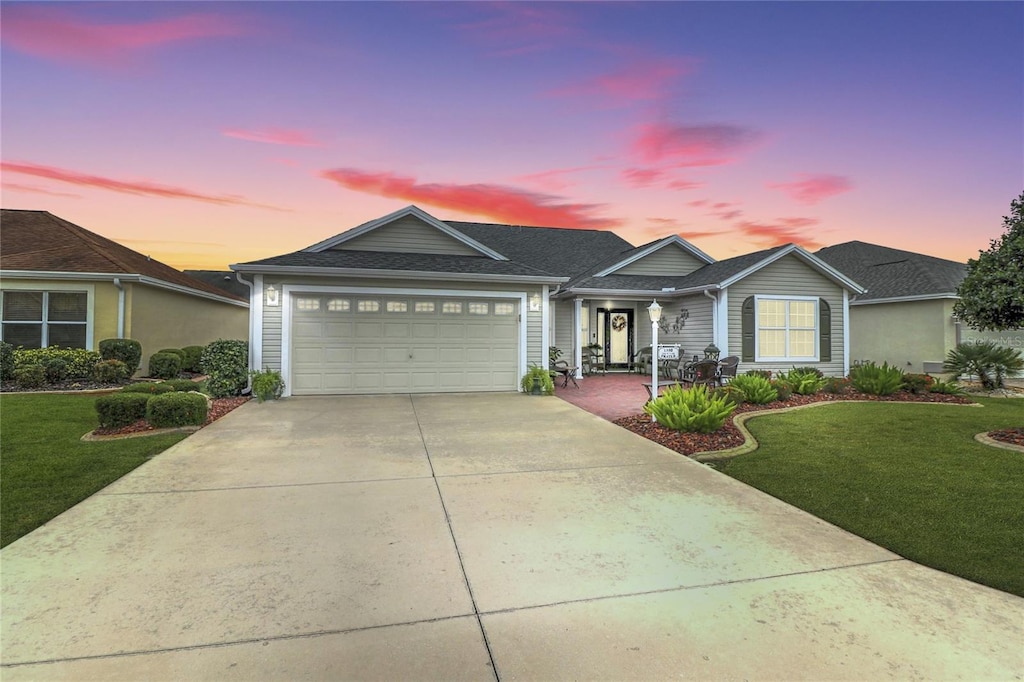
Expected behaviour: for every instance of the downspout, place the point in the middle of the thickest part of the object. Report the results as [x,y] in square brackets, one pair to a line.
[120,307]
[714,319]
[252,335]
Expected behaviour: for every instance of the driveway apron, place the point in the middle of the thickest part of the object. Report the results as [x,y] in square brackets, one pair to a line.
[476,537]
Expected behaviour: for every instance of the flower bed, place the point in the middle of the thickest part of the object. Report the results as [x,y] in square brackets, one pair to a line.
[730,437]
[1010,436]
[219,408]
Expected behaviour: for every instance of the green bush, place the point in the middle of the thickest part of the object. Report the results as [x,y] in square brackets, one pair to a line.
[148,387]
[733,395]
[180,385]
[874,380]
[988,361]
[691,410]
[30,376]
[128,351]
[756,388]
[176,409]
[946,387]
[763,373]
[68,363]
[164,365]
[176,351]
[110,371]
[803,380]
[782,389]
[836,385]
[917,383]
[193,355]
[226,362]
[121,409]
[6,361]
[547,384]
[267,384]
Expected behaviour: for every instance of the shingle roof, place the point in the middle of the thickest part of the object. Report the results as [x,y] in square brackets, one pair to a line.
[41,241]
[893,273]
[221,279]
[413,262]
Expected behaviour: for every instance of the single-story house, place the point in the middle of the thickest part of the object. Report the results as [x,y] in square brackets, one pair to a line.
[410,303]
[906,315]
[64,285]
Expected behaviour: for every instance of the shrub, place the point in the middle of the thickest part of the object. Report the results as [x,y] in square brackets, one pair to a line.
[730,394]
[988,361]
[128,351]
[164,365]
[30,376]
[6,361]
[756,388]
[763,373]
[227,364]
[268,384]
[148,387]
[547,384]
[176,351]
[121,409]
[782,389]
[181,385]
[874,380]
[110,371]
[946,387]
[176,409]
[691,410]
[803,381]
[193,354]
[67,363]
[917,383]
[836,385]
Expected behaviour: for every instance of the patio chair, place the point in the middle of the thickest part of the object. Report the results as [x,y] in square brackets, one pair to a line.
[593,361]
[671,369]
[641,361]
[727,369]
[563,369]
[701,372]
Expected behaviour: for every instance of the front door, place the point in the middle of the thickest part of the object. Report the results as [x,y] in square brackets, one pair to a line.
[618,337]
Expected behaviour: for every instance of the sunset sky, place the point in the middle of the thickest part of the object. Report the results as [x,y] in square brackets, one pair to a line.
[205,134]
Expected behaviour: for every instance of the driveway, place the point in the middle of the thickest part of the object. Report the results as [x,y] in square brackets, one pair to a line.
[469,537]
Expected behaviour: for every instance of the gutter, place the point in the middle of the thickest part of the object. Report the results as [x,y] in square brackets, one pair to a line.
[396,274]
[120,307]
[106,277]
[254,308]
[638,293]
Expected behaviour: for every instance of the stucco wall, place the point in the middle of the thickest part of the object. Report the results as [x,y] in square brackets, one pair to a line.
[903,334]
[165,319]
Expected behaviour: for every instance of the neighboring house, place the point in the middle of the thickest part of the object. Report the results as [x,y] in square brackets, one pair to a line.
[224,280]
[64,285]
[906,315]
[409,303]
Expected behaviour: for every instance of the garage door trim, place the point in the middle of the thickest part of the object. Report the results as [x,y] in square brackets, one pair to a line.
[286,312]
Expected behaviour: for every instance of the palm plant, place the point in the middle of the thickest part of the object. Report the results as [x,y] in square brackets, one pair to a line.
[988,361]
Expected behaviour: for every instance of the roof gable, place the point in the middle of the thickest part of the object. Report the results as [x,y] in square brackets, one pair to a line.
[38,241]
[672,256]
[801,254]
[889,273]
[412,230]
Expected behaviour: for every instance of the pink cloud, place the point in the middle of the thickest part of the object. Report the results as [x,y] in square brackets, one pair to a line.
[642,177]
[813,188]
[64,36]
[686,146]
[554,180]
[685,184]
[16,187]
[697,203]
[505,204]
[640,81]
[142,188]
[783,231]
[285,136]
[516,28]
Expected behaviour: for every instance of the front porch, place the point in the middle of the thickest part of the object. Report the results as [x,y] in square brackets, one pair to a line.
[609,396]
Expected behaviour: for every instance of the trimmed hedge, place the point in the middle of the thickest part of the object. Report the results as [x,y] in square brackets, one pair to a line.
[181,385]
[66,363]
[6,361]
[176,409]
[128,351]
[121,409]
[177,351]
[148,388]
[110,371]
[227,364]
[164,365]
[30,376]
[193,356]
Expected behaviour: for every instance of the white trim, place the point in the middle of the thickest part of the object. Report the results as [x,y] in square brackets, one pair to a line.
[657,246]
[120,307]
[90,303]
[757,328]
[256,318]
[577,346]
[723,323]
[812,260]
[545,330]
[396,274]
[402,213]
[640,295]
[715,318]
[846,333]
[286,314]
[109,277]
[907,299]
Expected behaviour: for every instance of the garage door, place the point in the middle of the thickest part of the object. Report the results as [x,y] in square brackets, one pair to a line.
[386,344]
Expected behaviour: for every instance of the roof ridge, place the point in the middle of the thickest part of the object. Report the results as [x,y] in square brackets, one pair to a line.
[90,239]
[453,223]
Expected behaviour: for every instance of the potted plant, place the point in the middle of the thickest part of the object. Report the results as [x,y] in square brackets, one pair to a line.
[537,381]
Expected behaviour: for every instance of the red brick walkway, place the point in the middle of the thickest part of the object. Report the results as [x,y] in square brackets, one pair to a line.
[607,395]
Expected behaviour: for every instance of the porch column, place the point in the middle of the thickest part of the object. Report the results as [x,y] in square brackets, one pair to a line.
[577,345]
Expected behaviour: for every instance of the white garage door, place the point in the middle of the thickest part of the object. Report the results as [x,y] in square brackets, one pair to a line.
[394,344]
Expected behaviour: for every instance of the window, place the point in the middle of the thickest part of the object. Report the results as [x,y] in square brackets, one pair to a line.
[397,307]
[787,329]
[424,306]
[37,319]
[367,306]
[479,308]
[339,305]
[504,308]
[306,303]
[452,307]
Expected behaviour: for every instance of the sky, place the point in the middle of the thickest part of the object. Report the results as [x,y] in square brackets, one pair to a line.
[207,133]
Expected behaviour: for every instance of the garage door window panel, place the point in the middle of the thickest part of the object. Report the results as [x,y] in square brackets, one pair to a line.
[451,307]
[339,305]
[397,307]
[425,307]
[368,306]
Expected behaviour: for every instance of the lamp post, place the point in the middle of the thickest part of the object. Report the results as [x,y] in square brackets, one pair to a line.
[654,310]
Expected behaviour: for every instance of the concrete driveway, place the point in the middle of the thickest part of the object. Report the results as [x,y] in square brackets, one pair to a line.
[469,537]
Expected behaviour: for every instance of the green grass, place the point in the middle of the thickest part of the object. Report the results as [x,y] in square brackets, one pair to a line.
[44,466]
[908,477]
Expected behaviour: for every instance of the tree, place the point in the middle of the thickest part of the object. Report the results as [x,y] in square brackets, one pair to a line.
[992,292]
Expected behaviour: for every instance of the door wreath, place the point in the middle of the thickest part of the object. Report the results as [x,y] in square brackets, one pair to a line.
[619,323]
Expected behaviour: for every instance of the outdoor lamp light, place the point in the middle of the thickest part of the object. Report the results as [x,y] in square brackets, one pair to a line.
[712,351]
[654,310]
[271,293]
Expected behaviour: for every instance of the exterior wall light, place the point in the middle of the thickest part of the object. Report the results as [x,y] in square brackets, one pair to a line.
[272,296]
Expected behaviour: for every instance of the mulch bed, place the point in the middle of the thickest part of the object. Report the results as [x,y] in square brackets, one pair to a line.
[1010,436]
[219,408]
[730,437]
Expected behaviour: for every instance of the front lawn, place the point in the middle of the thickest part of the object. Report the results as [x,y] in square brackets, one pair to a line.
[908,477]
[44,466]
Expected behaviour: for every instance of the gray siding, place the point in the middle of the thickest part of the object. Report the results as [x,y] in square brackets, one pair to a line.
[670,260]
[697,329]
[408,235]
[563,336]
[788,276]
